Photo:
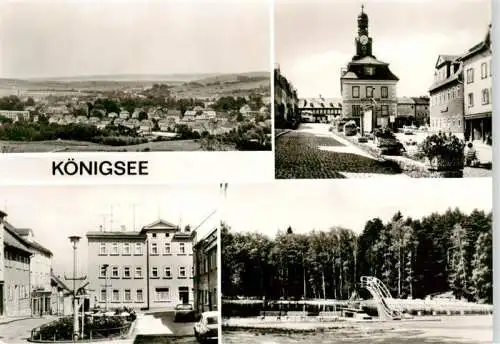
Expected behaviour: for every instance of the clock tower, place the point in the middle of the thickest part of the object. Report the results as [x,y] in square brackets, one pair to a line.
[363,41]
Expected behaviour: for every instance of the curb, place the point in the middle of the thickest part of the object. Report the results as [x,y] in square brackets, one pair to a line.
[282,133]
[14,320]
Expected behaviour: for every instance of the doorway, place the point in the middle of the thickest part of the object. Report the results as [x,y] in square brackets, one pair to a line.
[184,295]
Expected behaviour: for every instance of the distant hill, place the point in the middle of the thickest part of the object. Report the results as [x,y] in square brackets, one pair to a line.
[185,84]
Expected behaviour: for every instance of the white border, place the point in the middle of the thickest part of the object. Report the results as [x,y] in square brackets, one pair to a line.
[163,167]
[495,8]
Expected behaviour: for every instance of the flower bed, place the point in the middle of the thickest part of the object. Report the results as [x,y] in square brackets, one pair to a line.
[103,327]
[442,152]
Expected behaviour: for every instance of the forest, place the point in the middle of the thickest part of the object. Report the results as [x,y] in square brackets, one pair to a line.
[451,251]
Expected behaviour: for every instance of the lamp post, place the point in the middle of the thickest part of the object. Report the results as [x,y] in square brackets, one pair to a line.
[105,266]
[74,240]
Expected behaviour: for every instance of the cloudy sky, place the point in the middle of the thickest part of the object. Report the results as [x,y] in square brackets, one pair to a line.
[320,204]
[315,38]
[55,213]
[95,37]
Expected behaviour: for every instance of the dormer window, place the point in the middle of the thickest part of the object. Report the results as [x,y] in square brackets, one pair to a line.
[369,70]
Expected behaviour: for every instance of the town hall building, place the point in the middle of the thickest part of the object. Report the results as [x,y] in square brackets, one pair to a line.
[367,83]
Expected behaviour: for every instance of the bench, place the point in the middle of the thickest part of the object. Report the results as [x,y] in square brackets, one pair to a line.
[294,315]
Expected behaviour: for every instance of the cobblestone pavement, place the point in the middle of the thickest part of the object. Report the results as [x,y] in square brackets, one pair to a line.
[314,152]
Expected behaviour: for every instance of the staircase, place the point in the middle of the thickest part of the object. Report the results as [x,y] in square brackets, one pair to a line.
[382,297]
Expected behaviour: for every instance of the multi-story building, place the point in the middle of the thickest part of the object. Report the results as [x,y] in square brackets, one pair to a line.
[412,111]
[15,116]
[367,83]
[422,110]
[477,91]
[205,273]
[40,272]
[150,268]
[286,111]
[15,284]
[319,109]
[447,96]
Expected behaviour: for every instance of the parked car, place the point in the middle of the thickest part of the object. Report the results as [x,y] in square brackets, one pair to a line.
[205,330]
[184,312]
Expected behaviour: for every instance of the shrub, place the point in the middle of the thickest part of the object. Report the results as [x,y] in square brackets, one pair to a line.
[442,146]
[384,133]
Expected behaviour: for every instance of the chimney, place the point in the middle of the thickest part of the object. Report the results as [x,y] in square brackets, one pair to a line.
[100,228]
[123,228]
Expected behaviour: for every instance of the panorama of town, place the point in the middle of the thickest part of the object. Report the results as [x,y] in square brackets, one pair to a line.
[445,131]
[120,113]
[153,283]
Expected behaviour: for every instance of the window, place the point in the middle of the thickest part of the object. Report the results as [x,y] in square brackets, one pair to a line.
[138,272]
[369,92]
[484,70]
[102,249]
[167,235]
[470,75]
[114,248]
[138,248]
[485,99]
[182,272]
[490,69]
[167,248]
[154,235]
[154,248]
[103,295]
[355,91]
[114,272]
[103,271]
[471,99]
[154,271]
[127,295]
[167,272]
[126,248]
[138,295]
[385,110]
[126,272]
[385,92]
[116,295]
[370,70]
[162,294]
[182,248]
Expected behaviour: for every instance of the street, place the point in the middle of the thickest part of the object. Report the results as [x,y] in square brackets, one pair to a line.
[19,331]
[150,328]
[160,328]
[312,151]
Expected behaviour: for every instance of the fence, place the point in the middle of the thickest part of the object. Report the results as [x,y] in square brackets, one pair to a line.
[254,308]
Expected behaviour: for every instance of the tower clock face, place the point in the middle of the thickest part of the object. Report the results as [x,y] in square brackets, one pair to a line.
[363,39]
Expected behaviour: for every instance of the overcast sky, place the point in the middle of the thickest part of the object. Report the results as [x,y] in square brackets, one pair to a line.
[55,213]
[321,204]
[315,38]
[94,37]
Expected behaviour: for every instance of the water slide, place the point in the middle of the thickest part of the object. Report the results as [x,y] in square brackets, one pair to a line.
[382,297]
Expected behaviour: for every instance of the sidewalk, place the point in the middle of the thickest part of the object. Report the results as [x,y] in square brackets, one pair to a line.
[8,320]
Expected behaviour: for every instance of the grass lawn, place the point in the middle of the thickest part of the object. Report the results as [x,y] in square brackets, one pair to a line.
[79,146]
[297,156]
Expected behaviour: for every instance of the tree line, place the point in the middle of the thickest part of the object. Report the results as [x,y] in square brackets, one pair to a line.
[413,257]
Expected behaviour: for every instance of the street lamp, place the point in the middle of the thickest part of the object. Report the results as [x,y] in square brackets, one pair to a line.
[105,266]
[74,239]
